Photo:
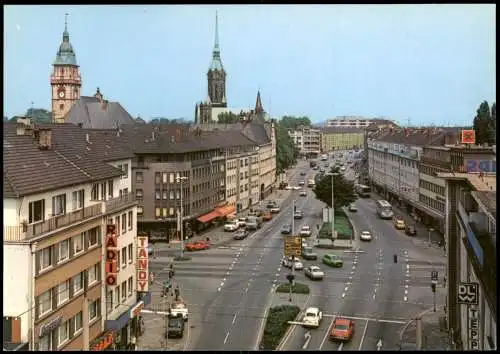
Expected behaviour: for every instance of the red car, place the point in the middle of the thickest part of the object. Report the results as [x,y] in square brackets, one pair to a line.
[342,329]
[197,246]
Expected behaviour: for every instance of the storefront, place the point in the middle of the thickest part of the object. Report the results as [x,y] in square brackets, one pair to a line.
[127,326]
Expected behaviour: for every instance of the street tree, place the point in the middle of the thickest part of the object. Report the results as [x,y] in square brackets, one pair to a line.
[286,151]
[484,125]
[344,193]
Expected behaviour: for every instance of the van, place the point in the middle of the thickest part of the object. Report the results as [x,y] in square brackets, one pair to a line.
[253,223]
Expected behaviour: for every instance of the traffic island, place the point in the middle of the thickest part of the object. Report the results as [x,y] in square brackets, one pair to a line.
[277,325]
[298,288]
[182,258]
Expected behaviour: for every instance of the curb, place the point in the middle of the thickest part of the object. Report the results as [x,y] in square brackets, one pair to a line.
[406,325]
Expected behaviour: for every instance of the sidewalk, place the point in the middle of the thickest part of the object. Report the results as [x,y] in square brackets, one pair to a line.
[434,334]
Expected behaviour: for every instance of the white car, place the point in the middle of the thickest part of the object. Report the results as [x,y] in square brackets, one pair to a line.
[275,209]
[365,236]
[231,225]
[297,188]
[179,308]
[314,273]
[305,231]
[242,222]
[287,262]
[312,317]
[303,193]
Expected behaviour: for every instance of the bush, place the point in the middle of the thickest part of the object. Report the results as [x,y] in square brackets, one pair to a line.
[342,226]
[277,324]
[298,288]
[183,258]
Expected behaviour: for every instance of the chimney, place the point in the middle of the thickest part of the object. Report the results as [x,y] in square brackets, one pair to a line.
[12,330]
[87,138]
[153,136]
[20,129]
[45,138]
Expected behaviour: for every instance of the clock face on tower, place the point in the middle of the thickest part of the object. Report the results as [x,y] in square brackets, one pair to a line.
[61,94]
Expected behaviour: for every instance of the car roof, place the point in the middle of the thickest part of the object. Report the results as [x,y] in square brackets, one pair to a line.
[312,309]
[314,267]
[342,320]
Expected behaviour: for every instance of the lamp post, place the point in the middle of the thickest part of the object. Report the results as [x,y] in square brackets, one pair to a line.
[333,207]
[430,231]
[181,216]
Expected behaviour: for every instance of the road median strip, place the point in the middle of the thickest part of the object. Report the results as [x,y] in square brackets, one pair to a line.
[277,325]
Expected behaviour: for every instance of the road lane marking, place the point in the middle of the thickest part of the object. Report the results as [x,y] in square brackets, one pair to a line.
[234,318]
[405,299]
[363,336]
[406,286]
[407,266]
[327,333]
[340,346]
[353,267]
[373,319]
[406,292]
[225,339]
[343,295]
[219,288]
[223,280]
[277,274]
[373,297]
[345,289]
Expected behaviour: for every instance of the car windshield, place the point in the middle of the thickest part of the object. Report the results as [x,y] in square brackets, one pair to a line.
[310,314]
[341,327]
[179,305]
[314,269]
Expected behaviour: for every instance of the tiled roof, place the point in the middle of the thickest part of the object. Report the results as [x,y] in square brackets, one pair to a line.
[93,113]
[489,201]
[256,132]
[342,130]
[28,169]
[416,137]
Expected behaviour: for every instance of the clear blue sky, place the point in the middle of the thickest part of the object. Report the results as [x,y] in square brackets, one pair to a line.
[429,63]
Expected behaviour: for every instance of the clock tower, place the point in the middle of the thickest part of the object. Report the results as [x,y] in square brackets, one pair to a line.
[65,79]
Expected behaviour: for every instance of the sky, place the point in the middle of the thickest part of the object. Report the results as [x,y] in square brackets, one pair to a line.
[416,64]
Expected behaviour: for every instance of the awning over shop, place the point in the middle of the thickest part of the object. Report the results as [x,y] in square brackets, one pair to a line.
[208,217]
[226,210]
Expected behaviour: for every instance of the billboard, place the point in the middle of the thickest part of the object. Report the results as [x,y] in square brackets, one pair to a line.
[468,136]
[142,264]
[111,255]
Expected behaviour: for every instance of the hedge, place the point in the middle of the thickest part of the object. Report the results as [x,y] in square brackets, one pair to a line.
[342,226]
[298,288]
[277,324]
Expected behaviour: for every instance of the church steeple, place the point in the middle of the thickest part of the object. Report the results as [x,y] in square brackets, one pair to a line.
[65,55]
[216,74]
[258,104]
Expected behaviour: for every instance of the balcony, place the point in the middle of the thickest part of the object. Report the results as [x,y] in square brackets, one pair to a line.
[28,232]
[122,202]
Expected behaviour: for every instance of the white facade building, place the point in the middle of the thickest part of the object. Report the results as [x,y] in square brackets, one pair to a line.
[307,140]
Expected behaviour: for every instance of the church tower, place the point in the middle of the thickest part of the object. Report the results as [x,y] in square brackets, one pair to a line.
[216,75]
[65,79]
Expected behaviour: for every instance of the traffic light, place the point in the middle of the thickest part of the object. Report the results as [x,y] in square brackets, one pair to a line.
[433,287]
[395,258]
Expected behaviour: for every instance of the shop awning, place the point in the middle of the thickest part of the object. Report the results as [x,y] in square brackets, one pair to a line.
[226,210]
[208,217]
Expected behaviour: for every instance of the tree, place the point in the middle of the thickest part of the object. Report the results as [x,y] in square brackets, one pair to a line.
[494,121]
[286,151]
[343,189]
[228,118]
[484,124]
[39,115]
[292,122]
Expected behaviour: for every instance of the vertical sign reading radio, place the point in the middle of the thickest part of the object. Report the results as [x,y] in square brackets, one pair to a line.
[142,264]
[111,255]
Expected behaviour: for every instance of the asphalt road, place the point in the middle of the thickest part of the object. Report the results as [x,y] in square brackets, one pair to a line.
[379,295]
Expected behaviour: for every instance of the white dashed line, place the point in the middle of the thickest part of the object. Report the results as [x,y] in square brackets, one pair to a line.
[375,290]
[219,289]
[353,267]
[345,289]
[277,274]
[343,295]
[234,318]
[225,339]
[407,266]
[223,280]
[373,296]
[405,299]
[274,281]
[406,292]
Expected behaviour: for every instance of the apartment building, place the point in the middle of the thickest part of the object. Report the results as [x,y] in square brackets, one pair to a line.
[359,122]
[471,256]
[307,140]
[53,236]
[342,138]
[457,158]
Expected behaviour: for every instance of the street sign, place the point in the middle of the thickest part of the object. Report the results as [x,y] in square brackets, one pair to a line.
[434,275]
[468,293]
[293,246]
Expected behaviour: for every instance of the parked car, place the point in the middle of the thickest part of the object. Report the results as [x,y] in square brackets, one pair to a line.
[242,222]
[241,234]
[308,253]
[399,223]
[267,216]
[314,273]
[342,329]
[305,231]
[315,167]
[175,327]
[275,209]
[302,173]
[254,223]
[312,317]
[298,214]
[333,260]
[302,183]
[303,193]
[365,236]
[231,226]
[287,262]
[411,230]
[353,208]
[286,229]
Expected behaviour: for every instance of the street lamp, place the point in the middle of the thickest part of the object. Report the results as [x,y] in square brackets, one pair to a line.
[430,231]
[332,174]
[179,180]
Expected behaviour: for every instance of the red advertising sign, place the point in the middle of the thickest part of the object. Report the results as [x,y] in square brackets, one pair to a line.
[468,136]
[111,255]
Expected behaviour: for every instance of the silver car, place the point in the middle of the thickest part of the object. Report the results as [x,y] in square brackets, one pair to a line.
[314,273]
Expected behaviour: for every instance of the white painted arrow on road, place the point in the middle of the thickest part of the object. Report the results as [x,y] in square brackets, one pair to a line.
[379,344]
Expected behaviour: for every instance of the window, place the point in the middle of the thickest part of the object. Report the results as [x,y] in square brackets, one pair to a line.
[93,274]
[157,194]
[125,171]
[36,211]
[45,258]
[124,222]
[78,322]
[140,210]
[59,205]
[45,303]
[94,195]
[158,212]
[130,254]
[77,281]
[117,296]
[63,333]
[177,176]
[77,199]
[130,219]
[130,286]
[139,193]
[124,291]
[63,250]
[164,194]
[124,256]
[171,211]
[139,176]
[110,189]
[93,237]
[103,190]
[171,177]
[45,342]
[94,309]
[62,292]
[77,244]
[109,301]
[178,194]
[157,177]
[171,194]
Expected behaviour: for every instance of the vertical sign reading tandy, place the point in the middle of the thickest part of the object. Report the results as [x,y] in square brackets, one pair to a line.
[142,264]
[111,254]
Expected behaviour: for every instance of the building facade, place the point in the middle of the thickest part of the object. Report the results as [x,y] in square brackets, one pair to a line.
[341,138]
[471,257]
[307,140]
[358,122]
[65,80]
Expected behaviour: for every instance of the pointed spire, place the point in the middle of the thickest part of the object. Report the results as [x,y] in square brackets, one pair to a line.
[65,54]
[216,44]
[216,62]
[258,104]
